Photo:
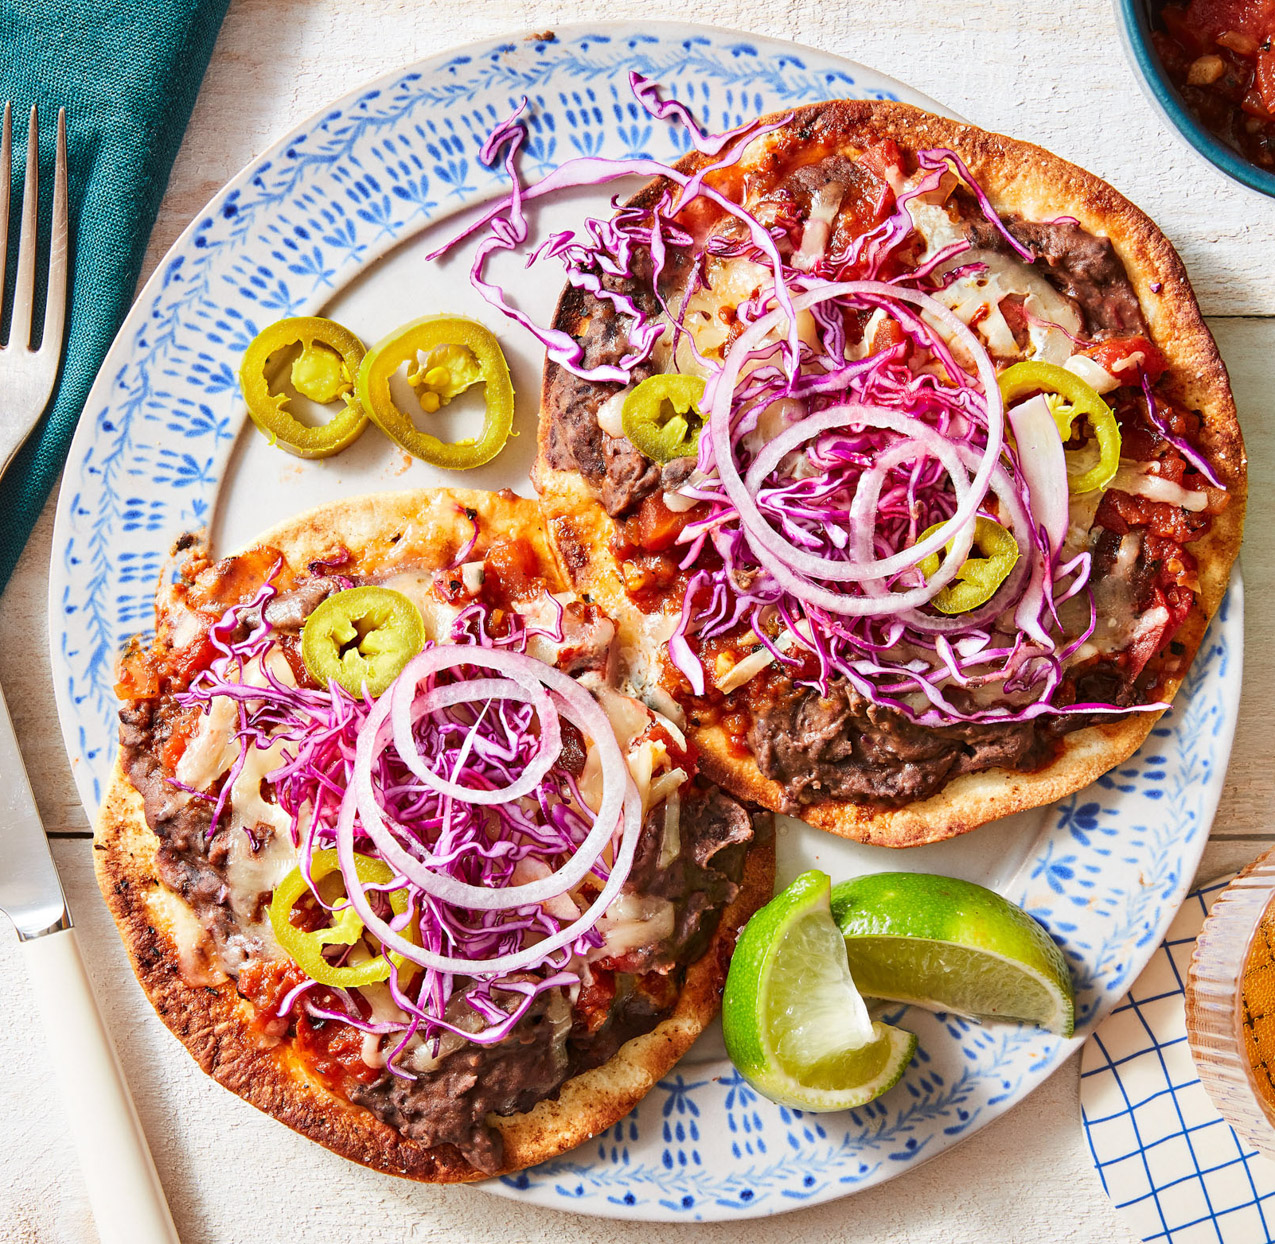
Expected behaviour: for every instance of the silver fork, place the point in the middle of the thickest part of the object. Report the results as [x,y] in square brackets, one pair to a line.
[27,372]
[125,1193]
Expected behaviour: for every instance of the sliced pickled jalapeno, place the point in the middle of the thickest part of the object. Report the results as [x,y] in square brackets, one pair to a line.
[325,371]
[662,416]
[447,372]
[979,577]
[459,353]
[362,637]
[319,374]
[1069,397]
[307,947]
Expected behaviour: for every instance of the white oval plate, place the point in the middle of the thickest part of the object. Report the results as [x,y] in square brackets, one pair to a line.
[335,219]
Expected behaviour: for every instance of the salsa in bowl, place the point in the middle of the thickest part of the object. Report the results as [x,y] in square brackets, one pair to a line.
[1209,68]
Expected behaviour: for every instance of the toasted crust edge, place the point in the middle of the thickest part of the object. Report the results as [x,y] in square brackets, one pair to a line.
[1025,179]
[213,1021]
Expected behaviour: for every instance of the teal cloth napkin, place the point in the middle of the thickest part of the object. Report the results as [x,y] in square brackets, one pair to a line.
[127,73]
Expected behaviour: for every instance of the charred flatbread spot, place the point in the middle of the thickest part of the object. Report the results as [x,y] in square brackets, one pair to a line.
[571,545]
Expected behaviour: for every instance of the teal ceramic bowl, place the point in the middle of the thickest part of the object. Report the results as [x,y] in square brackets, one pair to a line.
[1134,20]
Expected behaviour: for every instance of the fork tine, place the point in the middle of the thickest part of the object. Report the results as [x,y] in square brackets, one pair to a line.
[6,171]
[24,290]
[55,299]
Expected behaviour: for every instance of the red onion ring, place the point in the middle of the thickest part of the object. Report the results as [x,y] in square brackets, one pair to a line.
[762,535]
[530,956]
[581,708]
[1044,465]
[406,710]
[876,602]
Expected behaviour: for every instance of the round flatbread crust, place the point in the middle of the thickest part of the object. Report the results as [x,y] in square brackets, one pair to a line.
[169,949]
[1029,181]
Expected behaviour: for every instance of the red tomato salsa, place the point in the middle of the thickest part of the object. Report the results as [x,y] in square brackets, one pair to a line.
[1220,54]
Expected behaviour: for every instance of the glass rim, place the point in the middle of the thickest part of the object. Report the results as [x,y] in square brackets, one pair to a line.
[1215,1007]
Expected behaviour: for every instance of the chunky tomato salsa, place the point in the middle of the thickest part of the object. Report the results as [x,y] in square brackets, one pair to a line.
[1220,56]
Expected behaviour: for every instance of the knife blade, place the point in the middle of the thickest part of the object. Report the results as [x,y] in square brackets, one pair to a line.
[124,1190]
[30,891]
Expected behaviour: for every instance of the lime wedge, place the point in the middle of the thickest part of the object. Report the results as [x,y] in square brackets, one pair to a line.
[795,1025]
[950,945]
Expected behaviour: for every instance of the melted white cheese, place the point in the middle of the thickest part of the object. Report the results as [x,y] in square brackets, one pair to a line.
[251,872]
[196,953]
[437,615]
[634,920]
[935,225]
[545,613]
[472,575]
[1097,377]
[976,296]
[249,818]
[248,807]
[421,1057]
[678,501]
[640,659]
[1081,508]
[1117,622]
[738,674]
[1138,479]
[980,293]
[212,749]
[185,625]
[668,710]
[732,282]
[775,419]
[818,228]
[384,1011]
[630,719]
[609,413]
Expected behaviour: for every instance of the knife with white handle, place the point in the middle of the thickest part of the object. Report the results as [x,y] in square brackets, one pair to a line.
[124,1191]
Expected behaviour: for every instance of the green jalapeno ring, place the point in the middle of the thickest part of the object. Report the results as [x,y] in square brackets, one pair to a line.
[1023,378]
[661,437]
[314,375]
[979,578]
[404,346]
[362,637]
[306,948]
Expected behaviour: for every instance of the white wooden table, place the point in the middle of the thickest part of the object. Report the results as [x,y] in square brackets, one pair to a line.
[1050,73]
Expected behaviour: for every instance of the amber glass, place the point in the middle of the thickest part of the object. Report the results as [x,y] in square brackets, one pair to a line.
[1230,1004]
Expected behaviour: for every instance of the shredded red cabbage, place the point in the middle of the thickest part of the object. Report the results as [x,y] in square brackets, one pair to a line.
[471,734]
[647,93]
[816,549]
[1180,443]
[938,158]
